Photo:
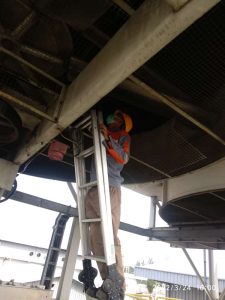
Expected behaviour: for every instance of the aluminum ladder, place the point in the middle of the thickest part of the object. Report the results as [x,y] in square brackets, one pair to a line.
[81,153]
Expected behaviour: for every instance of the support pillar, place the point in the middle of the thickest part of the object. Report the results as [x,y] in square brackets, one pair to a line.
[213,281]
[66,278]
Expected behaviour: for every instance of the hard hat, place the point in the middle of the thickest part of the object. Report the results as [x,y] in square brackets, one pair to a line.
[128,123]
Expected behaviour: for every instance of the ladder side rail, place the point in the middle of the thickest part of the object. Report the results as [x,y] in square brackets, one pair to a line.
[103,191]
[80,180]
[107,230]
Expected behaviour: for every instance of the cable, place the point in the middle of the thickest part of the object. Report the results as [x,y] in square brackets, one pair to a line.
[8,195]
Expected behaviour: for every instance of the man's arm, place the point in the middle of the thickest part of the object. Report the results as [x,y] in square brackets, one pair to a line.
[119,151]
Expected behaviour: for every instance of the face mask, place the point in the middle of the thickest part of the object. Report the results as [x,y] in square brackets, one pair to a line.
[110,119]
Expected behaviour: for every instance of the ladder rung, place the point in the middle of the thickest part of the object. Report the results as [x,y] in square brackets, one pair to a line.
[97,258]
[87,152]
[84,123]
[91,220]
[86,185]
[55,249]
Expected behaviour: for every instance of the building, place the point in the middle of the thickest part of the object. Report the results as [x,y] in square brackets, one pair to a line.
[177,285]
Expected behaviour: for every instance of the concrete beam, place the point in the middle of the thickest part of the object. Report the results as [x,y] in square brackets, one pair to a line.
[8,174]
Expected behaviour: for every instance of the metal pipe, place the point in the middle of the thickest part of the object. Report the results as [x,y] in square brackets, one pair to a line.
[40,54]
[24,25]
[213,281]
[36,69]
[31,108]
[169,102]
[197,273]
[205,274]
[72,191]
[150,29]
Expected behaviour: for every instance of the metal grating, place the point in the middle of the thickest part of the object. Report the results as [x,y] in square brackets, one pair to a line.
[166,149]
[83,48]
[195,61]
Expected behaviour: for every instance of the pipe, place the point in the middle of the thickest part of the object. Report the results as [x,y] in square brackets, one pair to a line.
[213,281]
[24,25]
[205,274]
[40,54]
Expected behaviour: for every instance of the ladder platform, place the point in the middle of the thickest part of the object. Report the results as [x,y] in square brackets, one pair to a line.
[91,220]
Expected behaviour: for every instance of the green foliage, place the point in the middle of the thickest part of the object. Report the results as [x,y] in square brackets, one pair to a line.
[150,285]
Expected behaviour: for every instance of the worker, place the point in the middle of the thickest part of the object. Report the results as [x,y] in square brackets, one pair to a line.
[117,143]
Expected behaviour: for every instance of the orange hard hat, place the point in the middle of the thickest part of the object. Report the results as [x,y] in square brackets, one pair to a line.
[128,123]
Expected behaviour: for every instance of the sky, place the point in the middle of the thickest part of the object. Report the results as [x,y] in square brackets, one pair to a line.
[32,225]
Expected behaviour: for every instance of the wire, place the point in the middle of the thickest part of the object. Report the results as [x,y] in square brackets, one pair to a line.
[8,195]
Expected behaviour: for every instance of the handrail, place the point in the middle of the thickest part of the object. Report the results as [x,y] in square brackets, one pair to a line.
[166,298]
[140,296]
[148,297]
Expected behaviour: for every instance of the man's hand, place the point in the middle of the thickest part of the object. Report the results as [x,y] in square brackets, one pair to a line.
[104,131]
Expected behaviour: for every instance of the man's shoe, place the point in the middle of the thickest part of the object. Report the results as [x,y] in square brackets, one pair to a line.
[91,291]
[101,295]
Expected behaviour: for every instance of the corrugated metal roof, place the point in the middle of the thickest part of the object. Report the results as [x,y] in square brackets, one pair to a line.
[173,277]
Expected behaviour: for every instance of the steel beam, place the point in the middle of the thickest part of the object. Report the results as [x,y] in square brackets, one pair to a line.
[151,28]
[208,235]
[43,203]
